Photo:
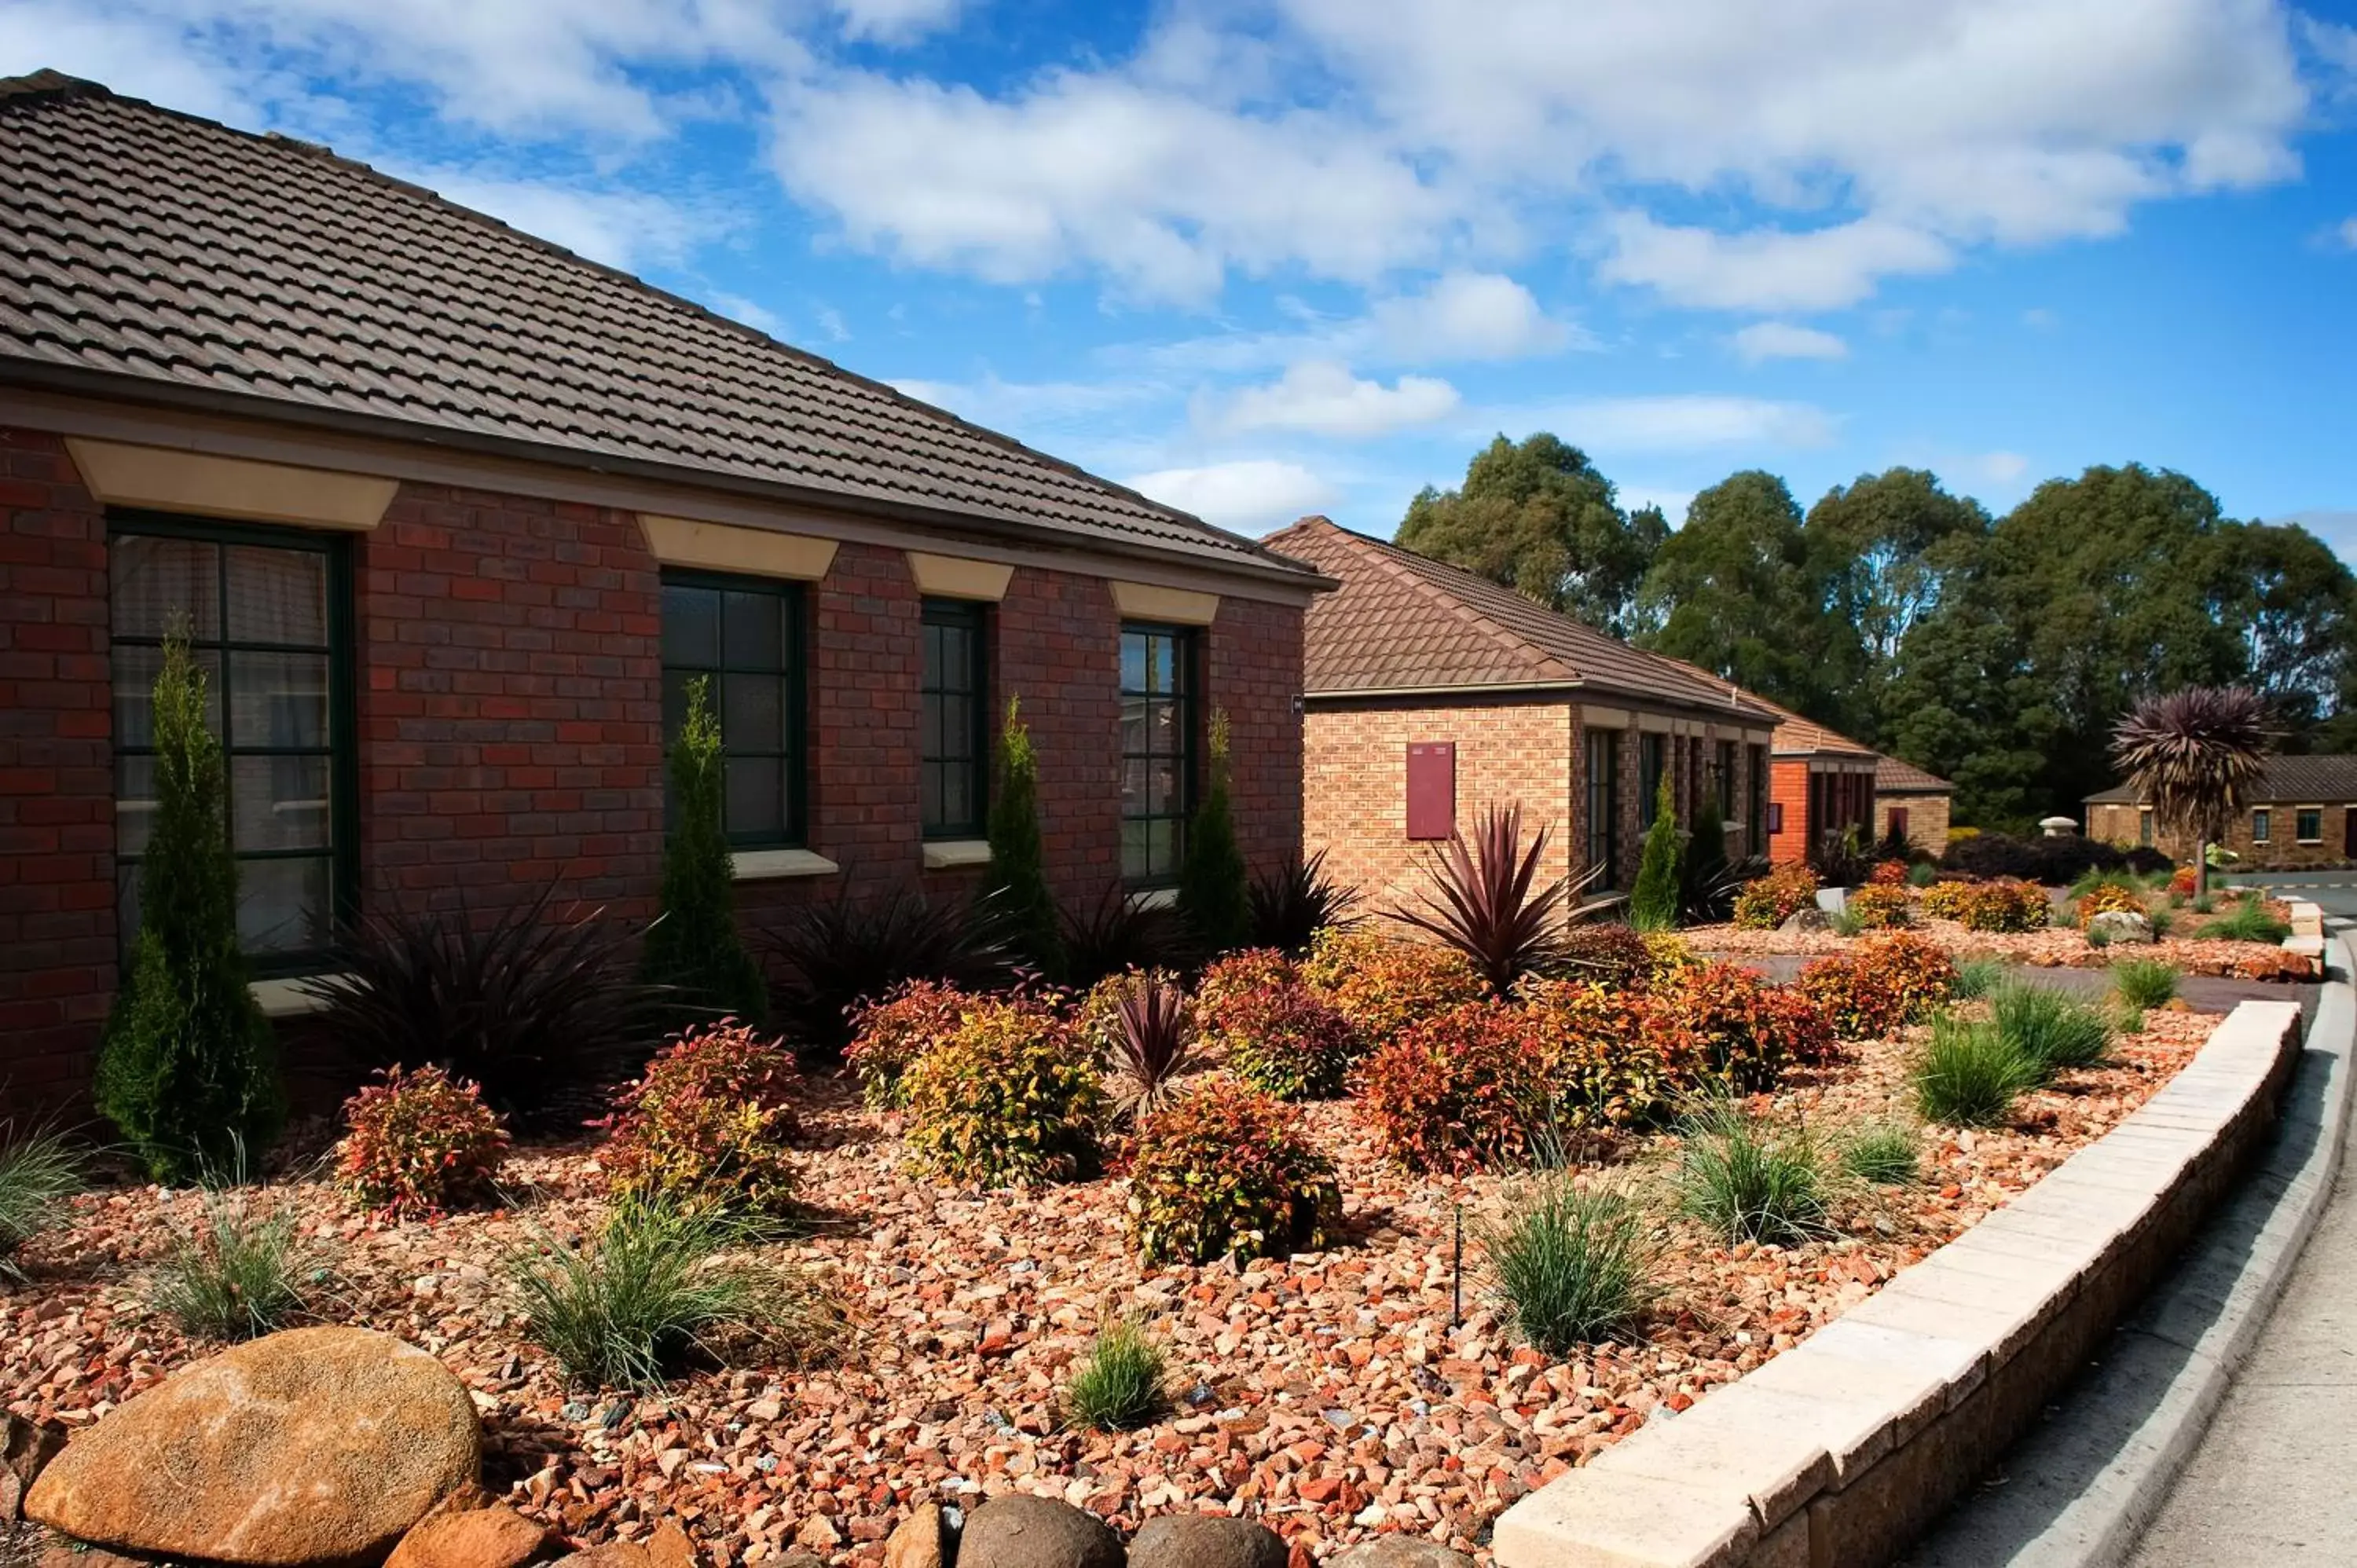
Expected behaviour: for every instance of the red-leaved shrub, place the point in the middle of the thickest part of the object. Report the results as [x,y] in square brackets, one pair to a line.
[1606,1064]
[1879,907]
[893,1031]
[710,1125]
[1887,983]
[1766,902]
[417,1144]
[1382,984]
[1280,1037]
[1888,873]
[1225,1171]
[1724,1023]
[1462,1089]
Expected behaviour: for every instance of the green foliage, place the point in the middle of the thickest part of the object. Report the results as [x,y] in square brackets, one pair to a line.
[1280,1037]
[1653,903]
[895,1030]
[1484,900]
[1571,1264]
[710,1125]
[1976,978]
[1215,888]
[1880,907]
[1707,886]
[1892,542]
[1846,922]
[2162,920]
[1611,1058]
[1883,1153]
[1766,902]
[418,1143]
[661,1288]
[1224,1171]
[1751,1179]
[2005,904]
[1537,517]
[1016,882]
[1923,874]
[1885,984]
[1969,1075]
[2247,921]
[189,1067]
[1010,1100]
[1382,984]
[833,956]
[2051,1031]
[38,1172]
[243,1270]
[2145,981]
[1118,1386]
[1468,1088]
[694,948]
[1726,1029]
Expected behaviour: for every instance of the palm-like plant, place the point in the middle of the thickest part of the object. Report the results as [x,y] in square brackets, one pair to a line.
[2193,754]
[1485,903]
[1153,1043]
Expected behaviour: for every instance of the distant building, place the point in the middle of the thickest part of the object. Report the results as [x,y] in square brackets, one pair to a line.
[2303,812]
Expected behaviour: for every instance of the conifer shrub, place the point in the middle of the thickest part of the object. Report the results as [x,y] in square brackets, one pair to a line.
[693,948]
[1382,984]
[1012,1098]
[1653,902]
[417,1144]
[710,1125]
[895,1030]
[188,1068]
[1766,902]
[1467,1089]
[1888,982]
[1214,887]
[1225,1171]
[1734,1031]
[1016,886]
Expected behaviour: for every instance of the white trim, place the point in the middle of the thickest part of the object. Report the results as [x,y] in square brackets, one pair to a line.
[291,997]
[774,864]
[1155,899]
[953,854]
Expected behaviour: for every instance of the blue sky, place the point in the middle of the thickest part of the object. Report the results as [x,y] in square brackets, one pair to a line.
[1259,259]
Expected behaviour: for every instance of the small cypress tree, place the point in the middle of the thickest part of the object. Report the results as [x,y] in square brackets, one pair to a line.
[1214,892]
[1017,883]
[1704,866]
[1653,904]
[694,947]
[189,1067]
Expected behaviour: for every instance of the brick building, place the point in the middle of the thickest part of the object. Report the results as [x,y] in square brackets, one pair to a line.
[1433,693]
[454,516]
[2302,814]
[1914,804]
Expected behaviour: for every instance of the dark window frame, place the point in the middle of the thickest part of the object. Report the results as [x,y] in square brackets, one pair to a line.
[2299,821]
[1756,814]
[342,750]
[1603,804]
[1652,766]
[1188,698]
[794,634]
[1723,765]
[2262,823]
[973,620]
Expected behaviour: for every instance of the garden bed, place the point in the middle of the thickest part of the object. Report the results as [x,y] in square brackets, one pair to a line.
[2058,947]
[1326,1394]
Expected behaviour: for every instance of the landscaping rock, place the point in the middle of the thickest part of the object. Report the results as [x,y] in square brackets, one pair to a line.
[1401,1551]
[25,1449]
[2121,926]
[74,1554]
[1205,1540]
[1807,919]
[493,1537]
[921,1540]
[315,1445]
[1020,1532]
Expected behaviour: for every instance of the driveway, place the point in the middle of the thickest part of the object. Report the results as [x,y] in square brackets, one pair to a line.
[2335,890]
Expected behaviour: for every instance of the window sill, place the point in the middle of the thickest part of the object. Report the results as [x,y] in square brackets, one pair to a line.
[776,865]
[1154,898]
[290,997]
[953,854]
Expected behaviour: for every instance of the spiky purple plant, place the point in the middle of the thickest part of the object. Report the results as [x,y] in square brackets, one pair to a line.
[1484,901]
[2192,754]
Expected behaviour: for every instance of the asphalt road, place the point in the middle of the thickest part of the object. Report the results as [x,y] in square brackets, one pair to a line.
[2336,891]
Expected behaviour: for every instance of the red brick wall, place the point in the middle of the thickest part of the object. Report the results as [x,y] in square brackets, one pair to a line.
[1787,786]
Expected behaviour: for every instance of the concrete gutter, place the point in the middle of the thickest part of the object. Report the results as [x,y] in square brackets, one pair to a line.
[2079,1490]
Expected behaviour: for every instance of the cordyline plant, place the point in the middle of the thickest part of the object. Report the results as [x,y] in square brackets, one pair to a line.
[1153,1043]
[1484,903]
[2193,755]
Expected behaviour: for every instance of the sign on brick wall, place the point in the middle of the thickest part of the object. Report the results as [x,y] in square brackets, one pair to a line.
[1431,788]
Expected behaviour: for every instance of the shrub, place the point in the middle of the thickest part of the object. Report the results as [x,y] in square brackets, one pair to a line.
[417,1144]
[38,1172]
[1653,902]
[1948,900]
[1282,1038]
[890,1033]
[1968,1075]
[1608,954]
[1119,1386]
[1293,903]
[2005,905]
[2203,903]
[2184,882]
[2051,1031]
[1667,955]
[2106,897]
[1606,1062]
[1923,874]
[662,1287]
[2162,921]
[1879,907]
[1886,1153]
[1976,977]
[1016,882]
[711,1125]
[2247,921]
[1010,1100]
[1888,873]
[1382,985]
[2050,862]
[2098,938]
[1769,901]
[519,1005]
[1728,1024]
[1751,1180]
[187,1069]
[1888,982]
[2145,981]
[833,955]
[1464,1089]
[1571,1264]
[1214,889]
[1482,904]
[1118,934]
[693,949]
[1225,1171]
[1251,969]
[1152,1039]
[242,1270]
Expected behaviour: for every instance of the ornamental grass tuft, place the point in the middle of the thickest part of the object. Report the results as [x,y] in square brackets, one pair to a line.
[244,1271]
[2145,981]
[1118,1385]
[1884,1153]
[1753,1180]
[38,1172]
[1571,1264]
[2053,1032]
[1969,1075]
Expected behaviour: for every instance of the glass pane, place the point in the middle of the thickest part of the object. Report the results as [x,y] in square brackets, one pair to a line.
[1132,724]
[153,581]
[1133,661]
[936,814]
[756,795]
[957,795]
[754,626]
[691,626]
[278,699]
[134,804]
[282,904]
[957,659]
[936,662]
[753,712]
[928,727]
[1133,786]
[136,670]
[1162,846]
[280,802]
[277,596]
[1165,664]
[1162,737]
[1162,785]
[1133,851]
[957,727]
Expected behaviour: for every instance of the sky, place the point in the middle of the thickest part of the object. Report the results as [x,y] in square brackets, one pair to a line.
[1258,260]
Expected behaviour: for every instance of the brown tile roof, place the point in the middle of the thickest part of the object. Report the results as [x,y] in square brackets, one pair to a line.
[1892,777]
[1404,622]
[138,246]
[1797,734]
[2289,781]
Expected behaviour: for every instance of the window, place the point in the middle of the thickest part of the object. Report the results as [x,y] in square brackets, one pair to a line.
[268,617]
[2144,828]
[744,635]
[1776,816]
[1604,804]
[1724,783]
[2307,824]
[955,743]
[1652,760]
[1898,823]
[2262,823]
[1757,813]
[1157,751]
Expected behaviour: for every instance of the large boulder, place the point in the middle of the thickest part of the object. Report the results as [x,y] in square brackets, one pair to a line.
[1203,1540]
[1401,1551]
[1023,1532]
[2117,926]
[316,1445]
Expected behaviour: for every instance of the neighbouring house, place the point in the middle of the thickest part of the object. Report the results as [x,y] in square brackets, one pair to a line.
[1912,804]
[1825,784]
[2302,812]
[455,515]
[1432,693]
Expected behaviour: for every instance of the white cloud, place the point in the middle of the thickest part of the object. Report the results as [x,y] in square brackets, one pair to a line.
[1251,496]
[1998,467]
[1680,422]
[894,21]
[1468,316]
[752,313]
[1783,341]
[1320,397]
[1768,269]
[625,229]
[2346,234]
